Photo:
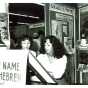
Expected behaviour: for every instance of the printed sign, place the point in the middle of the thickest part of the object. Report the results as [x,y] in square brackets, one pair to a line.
[13,67]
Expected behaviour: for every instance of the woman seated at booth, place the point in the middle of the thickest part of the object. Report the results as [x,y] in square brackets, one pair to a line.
[53,57]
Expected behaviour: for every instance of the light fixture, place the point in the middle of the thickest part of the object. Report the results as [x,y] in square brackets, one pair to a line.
[35,17]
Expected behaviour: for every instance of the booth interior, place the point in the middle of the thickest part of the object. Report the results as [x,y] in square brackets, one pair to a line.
[67,21]
[25,19]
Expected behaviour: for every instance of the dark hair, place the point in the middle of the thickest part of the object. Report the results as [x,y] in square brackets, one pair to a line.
[24,37]
[58,47]
[38,34]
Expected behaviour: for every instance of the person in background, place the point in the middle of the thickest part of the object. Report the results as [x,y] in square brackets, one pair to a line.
[53,58]
[37,40]
[13,41]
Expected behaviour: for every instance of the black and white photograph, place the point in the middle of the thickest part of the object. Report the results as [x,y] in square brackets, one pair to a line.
[44,44]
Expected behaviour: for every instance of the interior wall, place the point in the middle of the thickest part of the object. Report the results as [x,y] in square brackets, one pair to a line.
[62,20]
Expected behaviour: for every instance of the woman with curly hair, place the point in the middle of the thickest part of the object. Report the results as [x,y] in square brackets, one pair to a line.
[53,57]
[26,44]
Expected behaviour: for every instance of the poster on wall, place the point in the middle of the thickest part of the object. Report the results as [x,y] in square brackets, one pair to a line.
[57,29]
[54,27]
[4,32]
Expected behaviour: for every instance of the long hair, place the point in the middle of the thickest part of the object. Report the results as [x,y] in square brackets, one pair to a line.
[58,47]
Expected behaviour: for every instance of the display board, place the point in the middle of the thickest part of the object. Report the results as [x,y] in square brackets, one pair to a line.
[40,71]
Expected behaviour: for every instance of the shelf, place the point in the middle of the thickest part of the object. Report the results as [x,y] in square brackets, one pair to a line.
[83,49]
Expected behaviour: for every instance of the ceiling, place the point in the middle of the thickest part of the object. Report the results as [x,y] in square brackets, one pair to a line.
[26,12]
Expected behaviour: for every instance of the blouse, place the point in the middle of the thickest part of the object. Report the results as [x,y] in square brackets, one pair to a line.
[55,67]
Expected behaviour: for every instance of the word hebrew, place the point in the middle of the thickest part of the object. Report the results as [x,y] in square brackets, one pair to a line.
[10,71]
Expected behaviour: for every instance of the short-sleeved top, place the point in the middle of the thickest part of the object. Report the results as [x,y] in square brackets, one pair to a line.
[56,67]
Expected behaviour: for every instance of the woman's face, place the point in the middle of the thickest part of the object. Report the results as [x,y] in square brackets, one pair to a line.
[48,47]
[25,44]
